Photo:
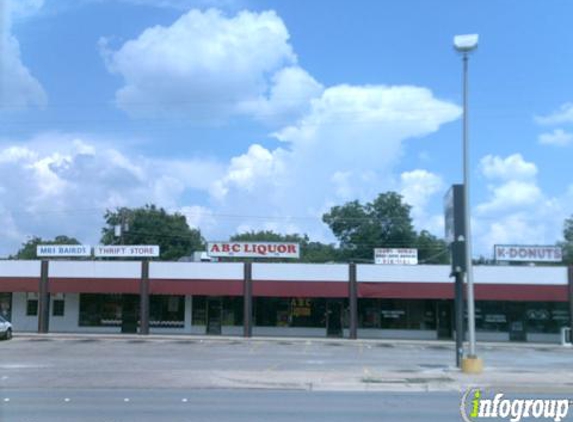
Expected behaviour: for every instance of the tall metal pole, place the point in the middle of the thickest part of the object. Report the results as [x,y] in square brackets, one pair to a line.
[467,218]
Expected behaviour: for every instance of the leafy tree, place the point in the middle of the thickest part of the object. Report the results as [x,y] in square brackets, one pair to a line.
[382,223]
[150,225]
[567,244]
[28,249]
[309,251]
[432,250]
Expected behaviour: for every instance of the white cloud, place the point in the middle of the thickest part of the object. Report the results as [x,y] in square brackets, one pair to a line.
[209,66]
[509,168]
[419,187]
[182,4]
[289,98]
[563,115]
[517,210]
[558,137]
[65,185]
[344,148]
[511,194]
[23,8]
[18,88]
[199,217]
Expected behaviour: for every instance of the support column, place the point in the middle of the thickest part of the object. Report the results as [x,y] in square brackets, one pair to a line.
[144,298]
[248,300]
[44,299]
[570,276]
[353,300]
[459,314]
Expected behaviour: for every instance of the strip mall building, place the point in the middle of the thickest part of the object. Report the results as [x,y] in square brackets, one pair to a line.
[514,303]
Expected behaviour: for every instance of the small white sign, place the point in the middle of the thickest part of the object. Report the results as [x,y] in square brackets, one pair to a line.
[63,250]
[254,249]
[525,253]
[126,251]
[395,256]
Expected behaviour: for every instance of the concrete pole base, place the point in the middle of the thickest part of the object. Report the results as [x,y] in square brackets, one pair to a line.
[472,365]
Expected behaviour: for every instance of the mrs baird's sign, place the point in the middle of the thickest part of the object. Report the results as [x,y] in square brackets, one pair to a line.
[63,250]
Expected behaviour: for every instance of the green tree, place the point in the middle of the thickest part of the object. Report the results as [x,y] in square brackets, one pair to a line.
[28,249]
[567,244]
[309,251]
[150,225]
[432,250]
[382,223]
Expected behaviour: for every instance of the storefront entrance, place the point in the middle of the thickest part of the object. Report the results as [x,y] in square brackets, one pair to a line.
[444,315]
[516,318]
[214,308]
[129,313]
[334,309]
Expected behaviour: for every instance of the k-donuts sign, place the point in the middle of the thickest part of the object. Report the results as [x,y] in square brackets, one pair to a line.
[527,253]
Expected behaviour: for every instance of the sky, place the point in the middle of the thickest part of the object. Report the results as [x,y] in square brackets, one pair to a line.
[250,115]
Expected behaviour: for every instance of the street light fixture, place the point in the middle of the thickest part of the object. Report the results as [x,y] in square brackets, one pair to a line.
[465,44]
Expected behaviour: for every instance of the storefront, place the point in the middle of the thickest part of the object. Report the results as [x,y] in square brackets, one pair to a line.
[365,301]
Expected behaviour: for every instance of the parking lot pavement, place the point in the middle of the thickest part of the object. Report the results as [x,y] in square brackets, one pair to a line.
[161,362]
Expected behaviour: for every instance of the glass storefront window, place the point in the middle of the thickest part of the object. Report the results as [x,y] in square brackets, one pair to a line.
[231,310]
[492,316]
[546,317]
[290,312]
[167,311]
[6,306]
[100,310]
[199,310]
[232,313]
[397,314]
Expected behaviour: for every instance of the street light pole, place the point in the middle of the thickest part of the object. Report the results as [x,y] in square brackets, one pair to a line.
[471,364]
[467,216]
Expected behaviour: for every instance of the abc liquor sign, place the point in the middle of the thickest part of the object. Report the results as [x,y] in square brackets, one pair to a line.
[253,249]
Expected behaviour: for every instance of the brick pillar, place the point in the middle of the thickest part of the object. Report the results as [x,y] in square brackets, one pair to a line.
[44,299]
[248,300]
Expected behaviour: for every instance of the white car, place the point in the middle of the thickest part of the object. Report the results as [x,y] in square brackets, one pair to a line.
[5,329]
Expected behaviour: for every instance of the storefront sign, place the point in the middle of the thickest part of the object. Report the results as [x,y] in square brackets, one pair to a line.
[253,249]
[63,250]
[396,256]
[300,307]
[126,251]
[527,253]
[454,213]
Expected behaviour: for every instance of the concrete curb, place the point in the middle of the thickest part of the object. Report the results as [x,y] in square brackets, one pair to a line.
[341,341]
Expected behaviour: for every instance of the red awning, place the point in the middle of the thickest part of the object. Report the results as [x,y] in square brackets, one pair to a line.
[299,289]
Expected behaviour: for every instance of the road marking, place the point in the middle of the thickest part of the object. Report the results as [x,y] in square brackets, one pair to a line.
[184,400]
[6,399]
[272,367]
[126,400]
[256,346]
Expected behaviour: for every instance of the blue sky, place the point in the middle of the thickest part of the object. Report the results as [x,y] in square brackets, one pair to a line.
[246,114]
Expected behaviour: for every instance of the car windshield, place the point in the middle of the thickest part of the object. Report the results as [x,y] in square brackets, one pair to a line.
[2,319]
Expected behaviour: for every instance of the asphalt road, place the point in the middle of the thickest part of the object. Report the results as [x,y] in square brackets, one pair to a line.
[131,378]
[105,405]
